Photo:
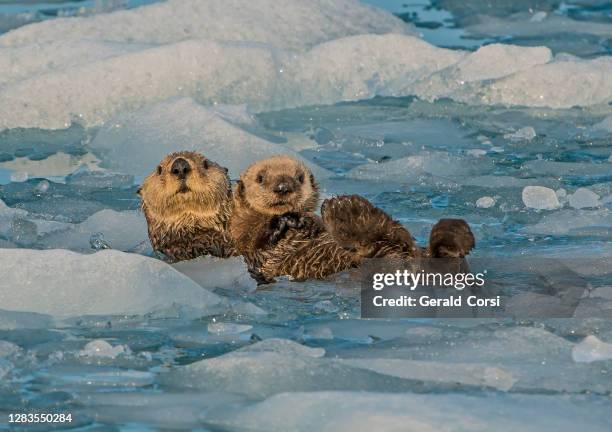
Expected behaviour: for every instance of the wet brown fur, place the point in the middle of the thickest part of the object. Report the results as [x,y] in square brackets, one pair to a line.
[282,236]
[188,217]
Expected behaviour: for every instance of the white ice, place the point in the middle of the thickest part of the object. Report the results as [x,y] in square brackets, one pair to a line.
[359,411]
[101,348]
[540,198]
[485,202]
[438,164]
[584,198]
[63,283]
[591,349]
[218,54]
[229,273]
[284,24]
[183,124]
[572,222]
[123,231]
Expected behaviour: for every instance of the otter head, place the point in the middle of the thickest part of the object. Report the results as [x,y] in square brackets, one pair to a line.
[186,185]
[278,185]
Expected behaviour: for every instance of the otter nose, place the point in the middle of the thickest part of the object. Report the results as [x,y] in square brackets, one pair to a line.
[180,168]
[283,188]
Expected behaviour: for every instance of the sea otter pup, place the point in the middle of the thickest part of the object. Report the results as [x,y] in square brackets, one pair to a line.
[187,203]
[273,225]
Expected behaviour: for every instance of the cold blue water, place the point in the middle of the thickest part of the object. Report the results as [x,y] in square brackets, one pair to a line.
[470,138]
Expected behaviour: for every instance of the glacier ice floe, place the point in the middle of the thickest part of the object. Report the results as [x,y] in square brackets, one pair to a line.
[283,24]
[123,231]
[221,133]
[340,411]
[355,52]
[63,283]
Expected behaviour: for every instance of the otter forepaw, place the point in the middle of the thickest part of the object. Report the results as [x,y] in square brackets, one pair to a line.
[451,238]
[280,225]
[352,220]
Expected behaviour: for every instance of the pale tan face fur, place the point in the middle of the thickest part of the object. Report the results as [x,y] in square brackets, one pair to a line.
[278,185]
[186,186]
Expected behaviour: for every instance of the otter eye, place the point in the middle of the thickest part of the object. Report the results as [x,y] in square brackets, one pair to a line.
[205,164]
[159,169]
[259,178]
[301,178]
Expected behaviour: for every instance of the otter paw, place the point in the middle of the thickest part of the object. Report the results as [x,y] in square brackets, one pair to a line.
[279,226]
[451,238]
[309,224]
[353,220]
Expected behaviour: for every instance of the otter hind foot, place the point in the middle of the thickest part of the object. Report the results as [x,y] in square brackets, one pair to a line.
[358,226]
[451,238]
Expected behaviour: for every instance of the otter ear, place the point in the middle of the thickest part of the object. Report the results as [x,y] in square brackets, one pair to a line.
[139,191]
[205,164]
[226,170]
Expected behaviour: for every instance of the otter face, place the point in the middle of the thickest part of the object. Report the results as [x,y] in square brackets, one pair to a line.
[278,185]
[185,183]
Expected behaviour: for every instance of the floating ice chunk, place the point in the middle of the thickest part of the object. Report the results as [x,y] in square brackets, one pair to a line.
[229,272]
[8,349]
[63,283]
[320,332]
[121,230]
[24,61]
[182,124]
[19,176]
[591,349]
[526,133]
[285,347]
[432,371]
[228,328]
[326,306]
[10,320]
[538,16]
[557,84]
[498,60]
[292,24]
[476,152]
[5,367]
[584,198]
[388,65]
[434,163]
[561,195]
[57,165]
[605,124]
[541,167]
[101,348]
[485,202]
[540,198]
[352,411]
[489,62]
